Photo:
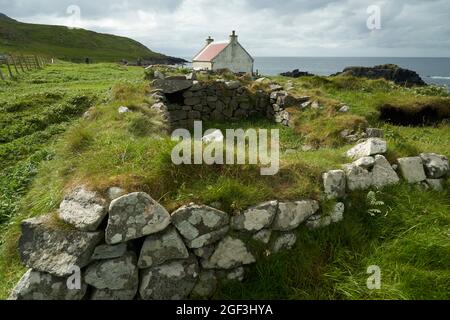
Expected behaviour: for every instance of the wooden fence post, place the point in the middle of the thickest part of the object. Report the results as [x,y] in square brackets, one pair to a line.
[14,63]
[20,64]
[37,62]
[1,73]
[31,62]
[11,75]
[25,62]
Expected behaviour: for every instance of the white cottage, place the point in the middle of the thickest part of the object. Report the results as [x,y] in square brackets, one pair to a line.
[224,55]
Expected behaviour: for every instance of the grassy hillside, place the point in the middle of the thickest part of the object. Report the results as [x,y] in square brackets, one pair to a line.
[70,44]
[47,143]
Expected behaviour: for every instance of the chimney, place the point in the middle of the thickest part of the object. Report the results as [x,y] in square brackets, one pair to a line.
[233,37]
[209,41]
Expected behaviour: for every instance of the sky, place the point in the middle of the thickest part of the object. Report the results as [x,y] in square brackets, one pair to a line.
[330,28]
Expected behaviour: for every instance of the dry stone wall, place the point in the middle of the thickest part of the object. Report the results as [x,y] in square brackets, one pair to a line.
[182,101]
[128,246]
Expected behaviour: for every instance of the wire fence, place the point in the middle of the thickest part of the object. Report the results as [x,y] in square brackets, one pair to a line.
[12,65]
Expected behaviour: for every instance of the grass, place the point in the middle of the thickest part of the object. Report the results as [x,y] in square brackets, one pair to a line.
[409,241]
[70,44]
[57,148]
[36,110]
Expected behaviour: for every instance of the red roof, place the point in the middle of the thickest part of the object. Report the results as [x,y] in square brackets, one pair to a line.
[211,51]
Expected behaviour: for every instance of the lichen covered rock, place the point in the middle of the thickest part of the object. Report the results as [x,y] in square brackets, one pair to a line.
[255,218]
[291,214]
[133,216]
[171,281]
[47,247]
[436,166]
[36,285]
[84,209]
[229,254]
[412,169]
[114,274]
[162,247]
[200,225]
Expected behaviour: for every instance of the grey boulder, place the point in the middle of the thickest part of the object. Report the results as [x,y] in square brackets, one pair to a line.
[229,254]
[172,85]
[436,184]
[115,274]
[206,285]
[263,236]
[383,174]
[436,166]
[133,216]
[171,281]
[236,274]
[84,209]
[46,247]
[320,221]
[113,295]
[284,242]
[162,247]
[334,184]
[255,218]
[358,178]
[365,162]
[412,169]
[370,147]
[36,285]
[104,251]
[291,214]
[200,225]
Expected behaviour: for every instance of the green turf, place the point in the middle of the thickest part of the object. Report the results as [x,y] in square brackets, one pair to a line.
[46,142]
[69,44]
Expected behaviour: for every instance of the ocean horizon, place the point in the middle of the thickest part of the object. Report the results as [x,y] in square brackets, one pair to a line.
[432,70]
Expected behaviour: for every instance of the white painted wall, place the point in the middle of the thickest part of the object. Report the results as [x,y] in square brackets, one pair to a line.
[198,65]
[235,58]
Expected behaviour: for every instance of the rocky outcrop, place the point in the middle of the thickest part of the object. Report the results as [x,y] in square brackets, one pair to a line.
[389,72]
[296,73]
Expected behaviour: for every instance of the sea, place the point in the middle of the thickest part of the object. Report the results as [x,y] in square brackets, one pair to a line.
[431,70]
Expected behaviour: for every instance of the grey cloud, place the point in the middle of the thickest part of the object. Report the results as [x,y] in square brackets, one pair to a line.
[265,27]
